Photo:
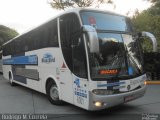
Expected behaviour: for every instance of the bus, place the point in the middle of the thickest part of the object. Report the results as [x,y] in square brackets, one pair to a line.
[87,57]
[1,62]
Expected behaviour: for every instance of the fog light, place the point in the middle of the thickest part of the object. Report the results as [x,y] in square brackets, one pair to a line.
[98,104]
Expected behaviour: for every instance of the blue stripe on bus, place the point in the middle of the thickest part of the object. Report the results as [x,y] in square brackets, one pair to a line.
[22,60]
[110,84]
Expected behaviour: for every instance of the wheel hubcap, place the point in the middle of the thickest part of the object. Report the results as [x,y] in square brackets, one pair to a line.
[54,93]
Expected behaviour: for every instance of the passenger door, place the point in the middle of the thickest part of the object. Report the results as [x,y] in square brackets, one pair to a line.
[67,29]
[74,79]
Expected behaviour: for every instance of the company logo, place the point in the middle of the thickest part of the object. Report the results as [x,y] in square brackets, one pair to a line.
[77,82]
[128,87]
[48,58]
[150,117]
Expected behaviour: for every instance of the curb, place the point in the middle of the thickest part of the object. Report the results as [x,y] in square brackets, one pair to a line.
[153,82]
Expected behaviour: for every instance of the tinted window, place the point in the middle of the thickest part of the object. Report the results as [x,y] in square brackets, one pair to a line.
[72,44]
[105,21]
[44,36]
[9,49]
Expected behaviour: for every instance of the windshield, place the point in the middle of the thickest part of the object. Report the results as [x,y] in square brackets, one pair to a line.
[103,21]
[120,54]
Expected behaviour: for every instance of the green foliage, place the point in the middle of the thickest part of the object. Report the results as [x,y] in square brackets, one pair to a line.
[147,45]
[62,4]
[6,34]
[146,21]
[155,9]
[149,20]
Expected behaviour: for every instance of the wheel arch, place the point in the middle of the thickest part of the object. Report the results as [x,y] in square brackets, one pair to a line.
[51,78]
[47,81]
[10,74]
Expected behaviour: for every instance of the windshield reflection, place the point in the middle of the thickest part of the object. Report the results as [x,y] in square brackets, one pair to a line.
[119,57]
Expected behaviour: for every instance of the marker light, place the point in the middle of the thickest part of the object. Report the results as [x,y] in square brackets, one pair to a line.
[92,20]
[145,82]
[98,104]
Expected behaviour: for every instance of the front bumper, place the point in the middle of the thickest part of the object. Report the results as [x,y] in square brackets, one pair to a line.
[113,100]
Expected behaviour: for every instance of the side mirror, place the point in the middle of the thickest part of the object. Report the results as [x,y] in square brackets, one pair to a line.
[93,38]
[152,38]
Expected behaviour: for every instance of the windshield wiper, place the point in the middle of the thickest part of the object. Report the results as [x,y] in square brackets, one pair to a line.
[133,61]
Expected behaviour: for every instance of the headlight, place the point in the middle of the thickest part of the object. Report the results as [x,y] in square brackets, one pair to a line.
[98,104]
[102,92]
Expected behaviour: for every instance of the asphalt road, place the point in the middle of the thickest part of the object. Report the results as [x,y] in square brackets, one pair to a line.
[20,100]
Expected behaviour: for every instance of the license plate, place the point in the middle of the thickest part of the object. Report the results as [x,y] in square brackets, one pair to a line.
[128,98]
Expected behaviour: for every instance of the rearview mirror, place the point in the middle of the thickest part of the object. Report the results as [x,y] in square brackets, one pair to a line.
[93,38]
[152,38]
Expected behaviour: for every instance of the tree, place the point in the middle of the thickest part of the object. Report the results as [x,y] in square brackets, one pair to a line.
[155,2]
[62,4]
[147,21]
[155,9]
[6,34]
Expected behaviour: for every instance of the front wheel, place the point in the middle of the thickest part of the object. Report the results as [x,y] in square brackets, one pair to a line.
[53,93]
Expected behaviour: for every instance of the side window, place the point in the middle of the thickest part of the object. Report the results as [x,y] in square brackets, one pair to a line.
[72,44]
[48,35]
[51,34]
[65,36]
[21,42]
[44,36]
[5,50]
[9,48]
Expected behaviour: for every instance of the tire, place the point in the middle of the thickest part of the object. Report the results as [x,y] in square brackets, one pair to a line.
[11,80]
[53,93]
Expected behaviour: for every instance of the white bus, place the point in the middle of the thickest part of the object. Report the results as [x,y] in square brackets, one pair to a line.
[88,58]
[1,71]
